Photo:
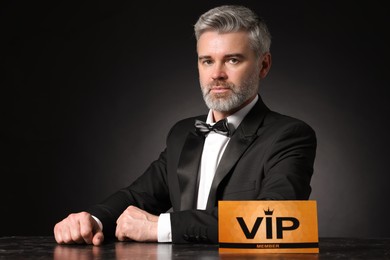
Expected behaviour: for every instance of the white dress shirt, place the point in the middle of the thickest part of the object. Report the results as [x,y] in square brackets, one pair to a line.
[213,149]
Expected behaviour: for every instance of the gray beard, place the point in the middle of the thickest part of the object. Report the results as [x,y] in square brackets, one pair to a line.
[223,103]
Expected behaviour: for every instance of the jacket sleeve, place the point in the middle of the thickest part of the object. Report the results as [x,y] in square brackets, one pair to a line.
[148,192]
[195,226]
[151,192]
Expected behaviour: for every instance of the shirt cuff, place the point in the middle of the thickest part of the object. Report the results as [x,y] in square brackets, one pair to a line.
[99,222]
[164,233]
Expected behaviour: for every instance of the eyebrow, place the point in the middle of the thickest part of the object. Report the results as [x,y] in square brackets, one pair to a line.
[233,55]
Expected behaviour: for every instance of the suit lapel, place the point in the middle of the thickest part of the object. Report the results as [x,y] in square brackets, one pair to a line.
[188,168]
[244,135]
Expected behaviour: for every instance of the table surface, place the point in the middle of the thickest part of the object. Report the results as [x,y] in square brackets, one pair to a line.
[38,247]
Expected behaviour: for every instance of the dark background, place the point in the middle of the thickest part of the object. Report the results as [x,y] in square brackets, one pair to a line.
[89,91]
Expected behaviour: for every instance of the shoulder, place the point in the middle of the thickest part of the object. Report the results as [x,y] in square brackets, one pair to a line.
[283,124]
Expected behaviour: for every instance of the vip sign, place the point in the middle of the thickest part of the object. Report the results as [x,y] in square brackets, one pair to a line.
[268,226]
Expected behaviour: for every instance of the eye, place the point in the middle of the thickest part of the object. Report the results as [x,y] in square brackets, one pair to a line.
[233,61]
[207,62]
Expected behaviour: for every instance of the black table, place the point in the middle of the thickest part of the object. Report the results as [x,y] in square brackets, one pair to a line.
[36,247]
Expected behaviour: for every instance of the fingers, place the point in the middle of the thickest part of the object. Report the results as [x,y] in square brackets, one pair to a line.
[125,222]
[121,228]
[86,228]
[74,227]
[136,224]
[78,228]
[64,231]
[98,239]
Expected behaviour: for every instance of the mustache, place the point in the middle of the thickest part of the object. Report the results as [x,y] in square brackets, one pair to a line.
[219,83]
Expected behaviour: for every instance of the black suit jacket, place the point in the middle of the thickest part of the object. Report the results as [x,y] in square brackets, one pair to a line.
[269,157]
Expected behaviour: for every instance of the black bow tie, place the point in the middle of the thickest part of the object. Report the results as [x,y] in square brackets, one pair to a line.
[221,127]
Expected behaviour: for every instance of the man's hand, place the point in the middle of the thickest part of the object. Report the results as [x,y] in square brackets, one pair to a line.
[136,224]
[78,228]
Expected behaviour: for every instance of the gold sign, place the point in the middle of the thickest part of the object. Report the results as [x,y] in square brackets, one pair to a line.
[264,226]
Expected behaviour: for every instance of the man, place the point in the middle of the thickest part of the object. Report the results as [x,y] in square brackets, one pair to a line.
[252,154]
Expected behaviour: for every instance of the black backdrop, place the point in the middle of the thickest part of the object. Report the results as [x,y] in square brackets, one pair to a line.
[89,91]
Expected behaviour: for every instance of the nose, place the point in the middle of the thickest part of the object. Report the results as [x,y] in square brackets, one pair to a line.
[219,72]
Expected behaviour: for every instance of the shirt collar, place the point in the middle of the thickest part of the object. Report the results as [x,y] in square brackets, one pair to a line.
[235,119]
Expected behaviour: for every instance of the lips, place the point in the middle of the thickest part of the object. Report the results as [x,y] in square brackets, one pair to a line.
[219,89]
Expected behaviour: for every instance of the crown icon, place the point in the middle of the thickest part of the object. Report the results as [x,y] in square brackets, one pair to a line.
[268,212]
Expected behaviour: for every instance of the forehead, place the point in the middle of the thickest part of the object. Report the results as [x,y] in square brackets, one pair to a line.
[212,43]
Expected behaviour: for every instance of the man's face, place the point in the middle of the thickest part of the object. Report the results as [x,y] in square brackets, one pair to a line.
[229,70]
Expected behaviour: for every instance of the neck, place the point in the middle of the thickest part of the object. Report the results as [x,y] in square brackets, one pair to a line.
[219,115]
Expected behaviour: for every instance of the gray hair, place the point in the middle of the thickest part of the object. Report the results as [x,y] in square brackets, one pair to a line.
[233,18]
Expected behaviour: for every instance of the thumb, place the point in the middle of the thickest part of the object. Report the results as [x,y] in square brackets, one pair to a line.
[98,238]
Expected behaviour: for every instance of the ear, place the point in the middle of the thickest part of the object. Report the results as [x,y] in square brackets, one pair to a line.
[265,65]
